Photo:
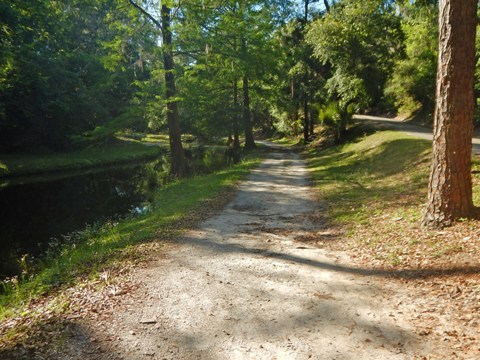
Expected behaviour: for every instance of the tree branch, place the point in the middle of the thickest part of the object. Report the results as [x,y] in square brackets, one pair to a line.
[146,13]
[327,5]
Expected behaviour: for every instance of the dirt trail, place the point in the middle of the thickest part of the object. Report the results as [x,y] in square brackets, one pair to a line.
[244,286]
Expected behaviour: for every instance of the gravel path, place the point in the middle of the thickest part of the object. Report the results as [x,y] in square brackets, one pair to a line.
[248,285]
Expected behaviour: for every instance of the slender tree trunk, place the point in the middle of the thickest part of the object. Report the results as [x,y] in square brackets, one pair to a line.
[177,157]
[178,161]
[305,14]
[306,127]
[247,116]
[294,120]
[236,137]
[327,5]
[312,123]
[450,184]
[295,111]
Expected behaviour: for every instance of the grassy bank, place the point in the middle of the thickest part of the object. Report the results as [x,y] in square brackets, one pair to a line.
[12,165]
[97,248]
[375,186]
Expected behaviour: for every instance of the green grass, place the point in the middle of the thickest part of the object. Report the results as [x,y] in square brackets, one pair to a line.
[158,139]
[98,247]
[375,186]
[109,154]
[372,170]
[288,141]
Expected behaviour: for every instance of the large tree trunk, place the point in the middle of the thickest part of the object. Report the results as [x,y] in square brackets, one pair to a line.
[247,116]
[450,184]
[178,161]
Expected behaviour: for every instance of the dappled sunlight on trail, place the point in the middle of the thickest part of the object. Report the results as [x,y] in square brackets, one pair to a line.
[244,285]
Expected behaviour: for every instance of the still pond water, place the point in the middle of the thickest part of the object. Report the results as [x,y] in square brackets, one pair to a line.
[34,214]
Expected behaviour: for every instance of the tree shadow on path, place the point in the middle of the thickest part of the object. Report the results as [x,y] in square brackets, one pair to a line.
[418,273]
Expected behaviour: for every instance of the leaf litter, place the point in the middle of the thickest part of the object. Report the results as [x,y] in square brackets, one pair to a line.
[438,269]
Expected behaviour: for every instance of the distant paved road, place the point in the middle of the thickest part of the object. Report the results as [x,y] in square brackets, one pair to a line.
[414,130]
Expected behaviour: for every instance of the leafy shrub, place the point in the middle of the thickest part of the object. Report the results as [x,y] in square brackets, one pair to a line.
[214,159]
[335,118]
[412,83]
[329,115]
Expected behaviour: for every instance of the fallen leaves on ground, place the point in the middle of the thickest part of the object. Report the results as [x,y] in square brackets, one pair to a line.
[40,328]
[439,270]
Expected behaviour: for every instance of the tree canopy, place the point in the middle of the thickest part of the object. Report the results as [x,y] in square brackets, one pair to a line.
[76,72]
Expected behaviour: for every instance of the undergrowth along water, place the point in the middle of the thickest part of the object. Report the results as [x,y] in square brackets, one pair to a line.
[97,247]
[118,152]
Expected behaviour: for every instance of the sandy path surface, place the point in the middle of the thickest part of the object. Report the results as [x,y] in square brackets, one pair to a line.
[244,286]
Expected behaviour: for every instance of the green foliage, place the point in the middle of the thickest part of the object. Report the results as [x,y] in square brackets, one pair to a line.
[335,118]
[111,153]
[222,42]
[330,114]
[214,159]
[300,79]
[77,71]
[412,84]
[282,123]
[67,67]
[360,39]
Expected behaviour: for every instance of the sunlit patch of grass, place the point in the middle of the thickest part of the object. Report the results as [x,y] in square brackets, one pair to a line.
[287,141]
[157,139]
[363,176]
[376,186]
[160,139]
[476,180]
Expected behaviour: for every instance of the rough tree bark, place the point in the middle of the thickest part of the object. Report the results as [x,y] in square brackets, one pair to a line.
[177,158]
[178,161]
[450,183]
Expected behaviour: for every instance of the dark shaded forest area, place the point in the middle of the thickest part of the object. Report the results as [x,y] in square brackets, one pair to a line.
[76,72]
